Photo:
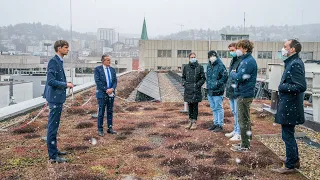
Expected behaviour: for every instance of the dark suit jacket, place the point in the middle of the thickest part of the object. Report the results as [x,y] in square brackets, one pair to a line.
[55,89]
[101,81]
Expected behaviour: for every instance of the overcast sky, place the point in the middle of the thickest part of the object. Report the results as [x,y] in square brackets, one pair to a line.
[162,16]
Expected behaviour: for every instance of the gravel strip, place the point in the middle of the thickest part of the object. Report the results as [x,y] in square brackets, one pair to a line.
[168,91]
[309,156]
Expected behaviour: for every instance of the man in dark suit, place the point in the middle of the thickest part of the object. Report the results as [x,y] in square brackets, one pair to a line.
[106,82]
[290,110]
[55,94]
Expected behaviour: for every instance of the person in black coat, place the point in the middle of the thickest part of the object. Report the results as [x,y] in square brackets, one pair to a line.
[290,111]
[217,77]
[193,78]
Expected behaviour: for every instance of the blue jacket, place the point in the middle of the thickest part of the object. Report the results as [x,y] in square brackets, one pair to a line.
[101,81]
[56,85]
[291,92]
[245,77]
[217,77]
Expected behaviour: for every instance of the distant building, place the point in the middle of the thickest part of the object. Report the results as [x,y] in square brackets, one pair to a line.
[234,37]
[172,54]
[107,34]
[131,42]
[117,46]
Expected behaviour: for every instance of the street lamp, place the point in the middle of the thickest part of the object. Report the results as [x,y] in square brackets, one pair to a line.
[47,44]
[71,59]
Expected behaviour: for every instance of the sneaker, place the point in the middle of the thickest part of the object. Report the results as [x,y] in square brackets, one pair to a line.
[218,129]
[189,125]
[212,127]
[240,149]
[236,137]
[193,126]
[229,135]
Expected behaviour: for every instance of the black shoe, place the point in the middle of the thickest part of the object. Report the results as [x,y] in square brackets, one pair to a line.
[59,160]
[212,127]
[111,131]
[218,129]
[100,133]
[62,153]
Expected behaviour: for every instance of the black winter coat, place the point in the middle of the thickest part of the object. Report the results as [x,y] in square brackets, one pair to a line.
[292,86]
[193,78]
[234,64]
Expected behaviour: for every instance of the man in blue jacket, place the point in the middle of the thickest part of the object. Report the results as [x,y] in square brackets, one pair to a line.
[290,110]
[55,94]
[106,82]
[245,77]
[217,77]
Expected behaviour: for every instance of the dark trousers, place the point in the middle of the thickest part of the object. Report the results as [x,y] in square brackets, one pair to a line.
[193,110]
[53,126]
[244,121]
[105,103]
[292,154]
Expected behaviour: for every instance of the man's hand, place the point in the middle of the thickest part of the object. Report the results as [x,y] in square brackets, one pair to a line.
[70,85]
[109,91]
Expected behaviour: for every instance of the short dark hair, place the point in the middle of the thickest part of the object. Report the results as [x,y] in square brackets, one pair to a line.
[296,45]
[245,44]
[191,54]
[60,43]
[103,56]
[212,53]
[232,45]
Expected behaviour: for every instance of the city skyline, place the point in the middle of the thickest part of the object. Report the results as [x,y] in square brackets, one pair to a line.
[162,17]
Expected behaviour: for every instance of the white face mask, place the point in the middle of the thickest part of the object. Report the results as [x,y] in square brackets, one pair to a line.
[239,53]
[284,52]
[213,59]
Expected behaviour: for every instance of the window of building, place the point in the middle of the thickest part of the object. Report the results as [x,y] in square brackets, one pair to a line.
[164,53]
[279,55]
[223,54]
[264,54]
[43,83]
[306,55]
[183,53]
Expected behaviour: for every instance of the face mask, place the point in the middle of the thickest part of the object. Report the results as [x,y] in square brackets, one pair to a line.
[193,60]
[233,54]
[213,59]
[284,52]
[239,53]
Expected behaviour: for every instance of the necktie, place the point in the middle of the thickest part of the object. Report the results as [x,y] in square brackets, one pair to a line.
[109,79]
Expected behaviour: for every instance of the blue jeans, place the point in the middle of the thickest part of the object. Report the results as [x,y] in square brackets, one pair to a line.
[217,109]
[234,109]
[105,103]
[292,154]
[53,126]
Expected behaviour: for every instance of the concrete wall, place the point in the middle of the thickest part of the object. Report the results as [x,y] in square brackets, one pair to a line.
[36,83]
[21,92]
[4,59]
[148,52]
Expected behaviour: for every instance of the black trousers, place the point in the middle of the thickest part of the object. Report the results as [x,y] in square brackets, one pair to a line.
[292,154]
[193,110]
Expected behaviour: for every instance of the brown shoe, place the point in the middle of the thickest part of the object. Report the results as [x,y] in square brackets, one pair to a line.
[284,170]
[296,165]
[194,125]
[189,125]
